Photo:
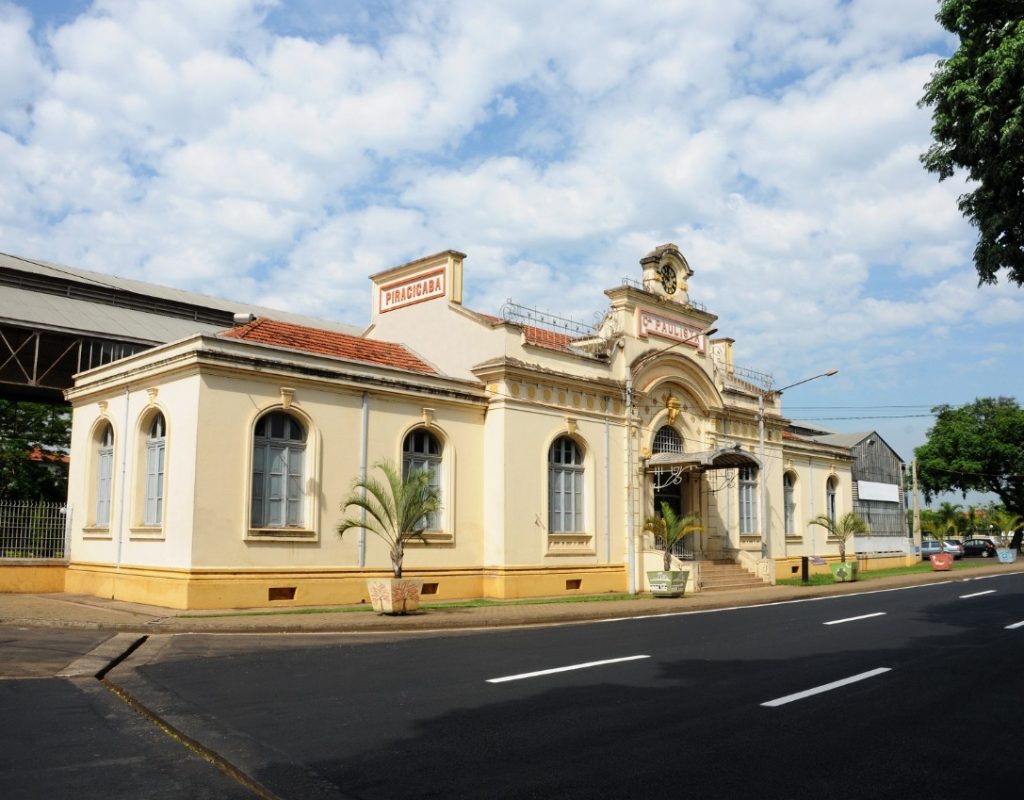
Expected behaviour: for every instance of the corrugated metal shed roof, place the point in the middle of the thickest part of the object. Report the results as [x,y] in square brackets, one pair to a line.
[841,439]
[68,314]
[110,306]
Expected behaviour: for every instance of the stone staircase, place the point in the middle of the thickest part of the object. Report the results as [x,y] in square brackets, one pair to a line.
[721,576]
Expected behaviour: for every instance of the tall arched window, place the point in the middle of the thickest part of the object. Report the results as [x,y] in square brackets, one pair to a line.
[565,487]
[667,440]
[104,474]
[830,498]
[748,499]
[278,471]
[422,450]
[153,507]
[789,503]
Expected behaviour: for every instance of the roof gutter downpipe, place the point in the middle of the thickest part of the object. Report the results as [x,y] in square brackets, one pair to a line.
[124,478]
[607,483]
[363,454]
[630,526]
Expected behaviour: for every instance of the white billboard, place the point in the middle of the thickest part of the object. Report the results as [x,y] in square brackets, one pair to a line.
[887,492]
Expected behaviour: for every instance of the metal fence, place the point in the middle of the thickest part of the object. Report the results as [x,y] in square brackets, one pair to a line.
[888,545]
[34,529]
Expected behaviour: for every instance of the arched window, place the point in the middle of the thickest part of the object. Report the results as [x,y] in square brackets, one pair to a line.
[565,487]
[667,440]
[748,499]
[830,498]
[789,503]
[153,507]
[104,474]
[422,450]
[278,471]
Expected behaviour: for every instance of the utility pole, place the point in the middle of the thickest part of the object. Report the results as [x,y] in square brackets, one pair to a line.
[916,504]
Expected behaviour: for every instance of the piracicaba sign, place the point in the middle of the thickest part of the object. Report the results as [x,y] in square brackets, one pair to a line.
[412,290]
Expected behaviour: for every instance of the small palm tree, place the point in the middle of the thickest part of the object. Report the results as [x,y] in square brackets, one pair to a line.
[670,528]
[945,520]
[849,524]
[396,511]
[1007,523]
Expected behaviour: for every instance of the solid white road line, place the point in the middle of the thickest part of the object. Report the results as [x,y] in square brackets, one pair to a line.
[828,687]
[1015,625]
[977,594]
[854,619]
[571,667]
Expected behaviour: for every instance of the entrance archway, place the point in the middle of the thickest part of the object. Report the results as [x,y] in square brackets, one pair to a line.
[674,488]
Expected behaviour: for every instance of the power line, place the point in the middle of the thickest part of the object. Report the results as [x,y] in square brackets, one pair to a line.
[915,405]
[869,416]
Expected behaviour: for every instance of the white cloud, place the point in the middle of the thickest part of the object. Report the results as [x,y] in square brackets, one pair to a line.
[556,143]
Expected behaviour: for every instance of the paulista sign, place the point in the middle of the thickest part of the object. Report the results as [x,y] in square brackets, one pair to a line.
[651,324]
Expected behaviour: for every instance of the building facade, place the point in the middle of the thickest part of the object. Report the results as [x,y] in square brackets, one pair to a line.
[210,471]
[878,489]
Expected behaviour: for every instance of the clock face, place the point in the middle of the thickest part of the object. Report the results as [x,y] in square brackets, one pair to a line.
[668,279]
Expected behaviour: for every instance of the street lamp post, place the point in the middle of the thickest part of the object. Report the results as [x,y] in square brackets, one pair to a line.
[766,539]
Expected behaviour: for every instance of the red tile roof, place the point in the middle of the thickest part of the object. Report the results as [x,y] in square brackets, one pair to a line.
[37,454]
[329,343]
[538,336]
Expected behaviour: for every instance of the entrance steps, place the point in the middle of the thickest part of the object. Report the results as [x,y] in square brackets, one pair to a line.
[722,575]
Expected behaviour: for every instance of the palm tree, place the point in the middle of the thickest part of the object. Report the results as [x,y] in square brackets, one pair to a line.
[969,521]
[945,520]
[1006,522]
[842,528]
[396,511]
[670,528]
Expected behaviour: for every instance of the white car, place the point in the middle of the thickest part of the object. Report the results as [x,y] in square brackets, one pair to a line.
[930,547]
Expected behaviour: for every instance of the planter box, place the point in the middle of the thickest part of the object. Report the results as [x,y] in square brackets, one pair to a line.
[668,584]
[941,561]
[1006,555]
[394,595]
[843,571]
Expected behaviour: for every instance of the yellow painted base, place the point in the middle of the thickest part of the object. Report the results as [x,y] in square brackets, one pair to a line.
[249,588]
[32,578]
[790,567]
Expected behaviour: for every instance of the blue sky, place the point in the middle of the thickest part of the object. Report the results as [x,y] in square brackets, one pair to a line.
[281,152]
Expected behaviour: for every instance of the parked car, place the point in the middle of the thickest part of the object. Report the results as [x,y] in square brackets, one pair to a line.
[930,547]
[985,548]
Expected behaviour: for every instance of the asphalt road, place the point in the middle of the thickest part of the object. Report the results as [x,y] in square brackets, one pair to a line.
[73,738]
[727,704]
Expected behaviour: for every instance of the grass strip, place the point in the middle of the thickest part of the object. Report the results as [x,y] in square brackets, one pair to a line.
[822,579]
[454,604]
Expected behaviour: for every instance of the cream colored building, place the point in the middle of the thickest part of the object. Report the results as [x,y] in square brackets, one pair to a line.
[210,472]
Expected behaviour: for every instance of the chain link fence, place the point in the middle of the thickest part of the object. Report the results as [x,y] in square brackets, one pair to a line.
[34,529]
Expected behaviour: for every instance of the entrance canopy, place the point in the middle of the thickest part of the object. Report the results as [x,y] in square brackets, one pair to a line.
[669,467]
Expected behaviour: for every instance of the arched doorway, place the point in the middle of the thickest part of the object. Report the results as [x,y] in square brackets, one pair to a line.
[672,486]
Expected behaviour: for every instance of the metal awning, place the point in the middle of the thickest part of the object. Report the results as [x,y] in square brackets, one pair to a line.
[669,467]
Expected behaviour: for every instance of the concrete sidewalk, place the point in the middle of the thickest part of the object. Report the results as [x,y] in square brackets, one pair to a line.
[86,612]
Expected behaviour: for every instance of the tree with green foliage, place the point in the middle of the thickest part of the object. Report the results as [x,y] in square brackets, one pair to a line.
[978,447]
[669,528]
[34,443]
[977,101]
[397,510]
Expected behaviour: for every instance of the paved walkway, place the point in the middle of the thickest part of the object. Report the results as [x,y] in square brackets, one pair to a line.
[86,612]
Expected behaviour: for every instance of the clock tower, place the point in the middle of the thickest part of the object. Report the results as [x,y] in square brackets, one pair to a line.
[666,273]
